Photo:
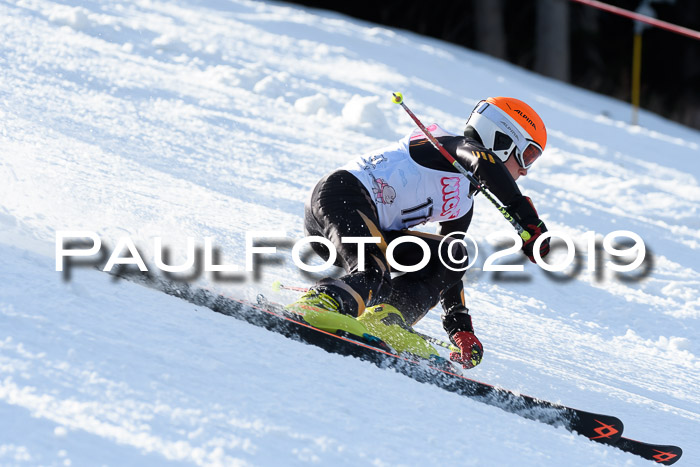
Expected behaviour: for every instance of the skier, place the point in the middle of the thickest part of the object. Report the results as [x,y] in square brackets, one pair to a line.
[385,193]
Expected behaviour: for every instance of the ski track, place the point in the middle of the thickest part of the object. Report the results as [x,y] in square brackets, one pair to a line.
[202,119]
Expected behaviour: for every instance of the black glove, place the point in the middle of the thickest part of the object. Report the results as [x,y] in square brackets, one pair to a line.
[523,211]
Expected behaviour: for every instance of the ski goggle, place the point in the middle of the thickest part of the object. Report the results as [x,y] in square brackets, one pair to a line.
[527,151]
[528,157]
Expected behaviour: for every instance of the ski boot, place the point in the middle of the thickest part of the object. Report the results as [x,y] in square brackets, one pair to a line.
[387,323]
[322,311]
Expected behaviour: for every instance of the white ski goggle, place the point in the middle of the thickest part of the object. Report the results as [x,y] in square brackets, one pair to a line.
[527,150]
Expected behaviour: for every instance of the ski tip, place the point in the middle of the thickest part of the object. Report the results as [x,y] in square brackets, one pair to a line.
[277,286]
[397,98]
[660,453]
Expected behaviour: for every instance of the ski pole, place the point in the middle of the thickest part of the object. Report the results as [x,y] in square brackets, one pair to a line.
[398,99]
[436,341]
[277,286]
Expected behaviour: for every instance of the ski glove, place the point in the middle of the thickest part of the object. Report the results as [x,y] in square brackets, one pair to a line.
[524,212]
[471,349]
[458,324]
[535,230]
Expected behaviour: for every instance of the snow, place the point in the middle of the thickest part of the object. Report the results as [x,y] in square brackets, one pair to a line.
[194,118]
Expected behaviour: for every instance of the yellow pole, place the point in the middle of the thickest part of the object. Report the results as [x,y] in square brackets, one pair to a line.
[636,74]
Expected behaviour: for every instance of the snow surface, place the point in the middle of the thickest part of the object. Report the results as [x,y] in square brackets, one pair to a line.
[196,118]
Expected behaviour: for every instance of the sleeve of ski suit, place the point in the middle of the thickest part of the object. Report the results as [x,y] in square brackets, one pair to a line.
[490,171]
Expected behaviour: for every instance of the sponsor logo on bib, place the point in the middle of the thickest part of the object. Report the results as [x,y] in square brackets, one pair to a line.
[450,197]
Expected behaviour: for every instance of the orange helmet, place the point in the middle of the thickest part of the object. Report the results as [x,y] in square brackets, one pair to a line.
[507,125]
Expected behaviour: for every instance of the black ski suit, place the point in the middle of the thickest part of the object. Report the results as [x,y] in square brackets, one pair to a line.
[341,206]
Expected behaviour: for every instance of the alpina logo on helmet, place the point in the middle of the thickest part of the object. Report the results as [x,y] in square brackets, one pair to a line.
[527,119]
[516,134]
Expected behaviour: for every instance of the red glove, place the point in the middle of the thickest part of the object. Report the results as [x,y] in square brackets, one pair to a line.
[535,230]
[525,213]
[471,349]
